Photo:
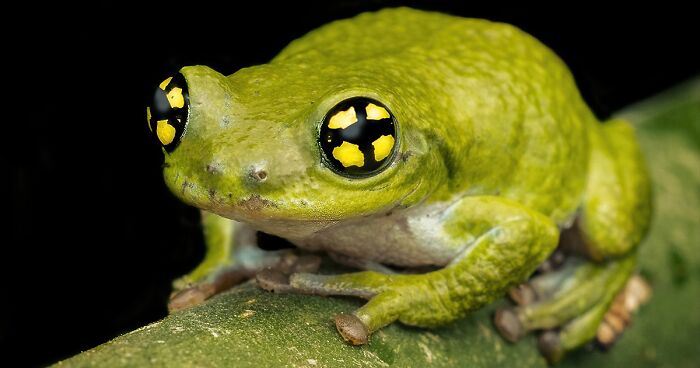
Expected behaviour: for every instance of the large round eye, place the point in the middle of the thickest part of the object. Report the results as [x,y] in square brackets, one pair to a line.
[358,137]
[167,117]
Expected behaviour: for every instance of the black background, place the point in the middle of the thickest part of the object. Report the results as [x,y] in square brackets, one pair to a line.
[94,236]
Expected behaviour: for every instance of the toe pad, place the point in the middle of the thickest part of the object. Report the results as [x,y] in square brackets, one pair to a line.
[352,329]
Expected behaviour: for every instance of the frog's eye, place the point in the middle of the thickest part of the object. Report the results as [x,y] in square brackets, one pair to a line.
[358,137]
[167,117]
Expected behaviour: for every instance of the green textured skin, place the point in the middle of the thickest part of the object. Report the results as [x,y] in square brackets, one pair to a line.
[217,230]
[248,327]
[491,128]
[482,107]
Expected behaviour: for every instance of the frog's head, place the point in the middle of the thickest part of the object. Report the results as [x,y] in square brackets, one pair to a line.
[288,149]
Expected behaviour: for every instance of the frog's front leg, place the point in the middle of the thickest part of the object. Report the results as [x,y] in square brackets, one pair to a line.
[504,242]
[232,257]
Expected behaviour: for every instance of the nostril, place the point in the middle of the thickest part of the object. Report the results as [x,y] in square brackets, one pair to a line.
[259,175]
[213,168]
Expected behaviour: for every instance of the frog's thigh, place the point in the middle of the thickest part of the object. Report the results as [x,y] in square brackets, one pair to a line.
[616,208]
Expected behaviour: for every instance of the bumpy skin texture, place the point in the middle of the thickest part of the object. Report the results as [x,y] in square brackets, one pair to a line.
[496,152]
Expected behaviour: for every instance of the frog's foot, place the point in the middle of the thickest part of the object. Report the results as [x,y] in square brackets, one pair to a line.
[190,294]
[195,294]
[276,278]
[573,305]
[392,297]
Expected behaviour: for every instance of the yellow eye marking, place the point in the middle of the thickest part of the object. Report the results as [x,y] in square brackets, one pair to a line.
[349,154]
[382,147]
[165,132]
[148,117]
[343,119]
[375,112]
[165,83]
[175,98]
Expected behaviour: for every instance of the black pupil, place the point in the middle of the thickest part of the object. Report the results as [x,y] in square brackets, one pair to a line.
[365,146]
[170,110]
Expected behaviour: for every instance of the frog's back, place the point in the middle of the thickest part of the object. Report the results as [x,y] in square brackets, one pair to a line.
[509,119]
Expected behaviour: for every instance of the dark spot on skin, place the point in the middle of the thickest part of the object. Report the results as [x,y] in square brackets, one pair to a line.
[165,165]
[212,193]
[255,203]
[403,156]
[389,213]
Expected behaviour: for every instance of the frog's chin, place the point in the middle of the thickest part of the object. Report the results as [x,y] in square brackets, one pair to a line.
[288,228]
[265,215]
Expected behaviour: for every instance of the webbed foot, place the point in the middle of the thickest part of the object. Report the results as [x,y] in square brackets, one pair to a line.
[197,293]
[228,277]
[403,297]
[573,305]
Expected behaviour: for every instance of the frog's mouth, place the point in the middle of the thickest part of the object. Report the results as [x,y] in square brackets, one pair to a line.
[262,213]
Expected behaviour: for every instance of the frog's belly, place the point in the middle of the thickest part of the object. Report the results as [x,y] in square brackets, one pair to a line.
[408,239]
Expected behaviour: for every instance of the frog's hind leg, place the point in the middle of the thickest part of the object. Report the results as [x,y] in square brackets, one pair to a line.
[605,320]
[617,203]
[575,304]
[571,304]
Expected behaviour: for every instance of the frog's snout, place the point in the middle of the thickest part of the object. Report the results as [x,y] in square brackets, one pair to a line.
[169,111]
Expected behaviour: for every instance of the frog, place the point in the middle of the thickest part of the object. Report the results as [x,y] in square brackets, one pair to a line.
[446,158]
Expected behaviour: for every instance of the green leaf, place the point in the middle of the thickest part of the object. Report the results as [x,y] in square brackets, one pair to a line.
[246,327]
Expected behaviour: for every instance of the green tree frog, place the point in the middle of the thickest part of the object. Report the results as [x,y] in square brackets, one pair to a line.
[443,156]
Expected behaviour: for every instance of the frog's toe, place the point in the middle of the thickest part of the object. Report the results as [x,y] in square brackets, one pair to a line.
[619,315]
[360,284]
[545,285]
[523,294]
[190,296]
[386,302]
[273,280]
[574,305]
[508,325]
[276,278]
[352,329]
[549,345]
